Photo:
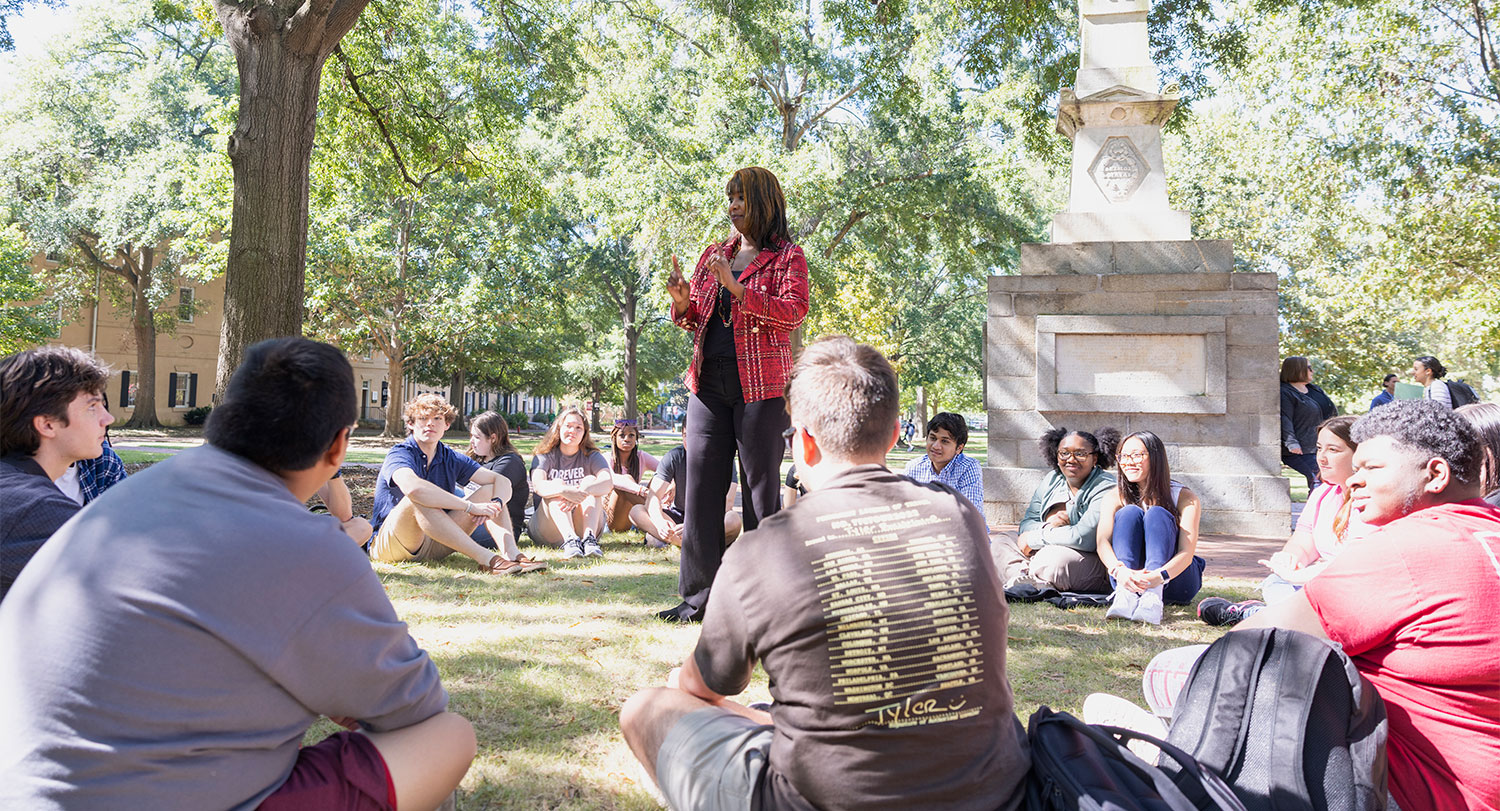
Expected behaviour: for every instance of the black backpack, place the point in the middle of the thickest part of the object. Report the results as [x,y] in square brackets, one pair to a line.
[1285,718]
[1461,393]
[1077,766]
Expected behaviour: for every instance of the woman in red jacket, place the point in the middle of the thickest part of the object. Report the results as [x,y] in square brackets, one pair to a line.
[746,296]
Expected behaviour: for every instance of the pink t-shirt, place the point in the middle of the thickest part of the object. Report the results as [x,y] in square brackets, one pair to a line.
[1318,516]
[1414,605]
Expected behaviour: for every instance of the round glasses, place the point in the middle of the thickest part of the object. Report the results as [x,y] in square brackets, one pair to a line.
[1139,456]
[1068,456]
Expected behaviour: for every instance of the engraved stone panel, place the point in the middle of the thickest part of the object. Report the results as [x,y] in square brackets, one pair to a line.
[1119,168]
[1170,365]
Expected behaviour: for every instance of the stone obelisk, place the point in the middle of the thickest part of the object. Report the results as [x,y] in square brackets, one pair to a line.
[1124,319]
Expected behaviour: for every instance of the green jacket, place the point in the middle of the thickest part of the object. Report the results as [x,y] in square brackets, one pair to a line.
[1083,517]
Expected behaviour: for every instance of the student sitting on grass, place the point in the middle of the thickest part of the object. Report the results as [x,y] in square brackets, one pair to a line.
[1328,522]
[418,516]
[661,516]
[1056,546]
[1413,603]
[945,462]
[52,415]
[627,464]
[814,595]
[489,445]
[1148,532]
[570,478]
[171,646]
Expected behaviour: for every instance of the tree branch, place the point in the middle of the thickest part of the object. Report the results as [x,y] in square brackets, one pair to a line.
[854,218]
[385,134]
[659,22]
[828,109]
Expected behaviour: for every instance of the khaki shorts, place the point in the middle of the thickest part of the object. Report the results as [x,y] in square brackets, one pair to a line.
[401,522]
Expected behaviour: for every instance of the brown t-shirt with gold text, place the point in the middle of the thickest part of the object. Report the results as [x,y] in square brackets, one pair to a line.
[874,606]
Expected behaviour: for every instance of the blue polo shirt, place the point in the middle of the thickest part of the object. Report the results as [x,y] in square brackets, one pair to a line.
[448,469]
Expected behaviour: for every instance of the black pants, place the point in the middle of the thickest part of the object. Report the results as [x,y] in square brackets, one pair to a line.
[1304,463]
[719,421]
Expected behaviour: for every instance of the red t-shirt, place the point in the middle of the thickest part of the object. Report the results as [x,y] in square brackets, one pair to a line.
[1414,604]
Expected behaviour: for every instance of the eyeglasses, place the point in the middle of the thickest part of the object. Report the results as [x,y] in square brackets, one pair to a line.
[1139,456]
[1065,456]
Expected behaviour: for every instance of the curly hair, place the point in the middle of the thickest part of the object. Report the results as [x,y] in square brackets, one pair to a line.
[1103,442]
[1427,427]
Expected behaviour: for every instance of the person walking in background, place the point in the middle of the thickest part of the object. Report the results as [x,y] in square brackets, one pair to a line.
[746,296]
[1387,392]
[1304,406]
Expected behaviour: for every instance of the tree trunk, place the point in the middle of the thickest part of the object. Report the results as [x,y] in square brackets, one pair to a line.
[279,47]
[143,328]
[395,424]
[632,351]
[596,386]
[921,410]
[456,397]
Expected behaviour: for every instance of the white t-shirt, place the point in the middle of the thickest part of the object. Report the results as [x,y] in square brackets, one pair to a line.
[1438,390]
[68,483]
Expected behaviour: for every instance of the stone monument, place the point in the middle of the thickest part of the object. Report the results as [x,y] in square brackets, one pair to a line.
[1124,320]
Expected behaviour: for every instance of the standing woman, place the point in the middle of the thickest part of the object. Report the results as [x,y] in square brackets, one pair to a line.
[1303,408]
[747,294]
[1428,372]
[1148,532]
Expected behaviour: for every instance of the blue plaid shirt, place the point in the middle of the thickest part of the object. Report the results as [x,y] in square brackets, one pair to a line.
[961,473]
[97,475]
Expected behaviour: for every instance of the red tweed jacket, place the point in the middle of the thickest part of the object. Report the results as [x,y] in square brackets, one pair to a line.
[775,303]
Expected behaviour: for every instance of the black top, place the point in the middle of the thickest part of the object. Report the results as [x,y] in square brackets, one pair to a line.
[718,338]
[672,467]
[1301,414]
[513,467]
[31,509]
[874,606]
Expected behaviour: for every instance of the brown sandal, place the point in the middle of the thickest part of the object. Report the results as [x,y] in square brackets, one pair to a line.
[529,565]
[499,565]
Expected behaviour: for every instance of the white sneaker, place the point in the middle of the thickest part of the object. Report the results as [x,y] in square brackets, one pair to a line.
[1122,607]
[1149,607]
[1022,579]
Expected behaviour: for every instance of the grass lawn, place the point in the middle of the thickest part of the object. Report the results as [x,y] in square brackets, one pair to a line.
[541,664]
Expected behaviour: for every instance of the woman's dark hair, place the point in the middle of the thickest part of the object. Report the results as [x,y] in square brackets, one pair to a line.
[553,438]
[1104,443]
[1343,428]
[1295,369]
[1157,489]
[630,464]
[285,405]
[493,426]
[765,205]
[1434,365]
[1485,417]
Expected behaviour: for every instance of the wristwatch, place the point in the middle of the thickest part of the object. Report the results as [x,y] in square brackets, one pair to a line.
[1164,576]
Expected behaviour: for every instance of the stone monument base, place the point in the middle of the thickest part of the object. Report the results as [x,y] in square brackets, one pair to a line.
[1107,334]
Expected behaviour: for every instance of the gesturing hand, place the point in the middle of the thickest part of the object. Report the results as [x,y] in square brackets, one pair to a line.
[677,287]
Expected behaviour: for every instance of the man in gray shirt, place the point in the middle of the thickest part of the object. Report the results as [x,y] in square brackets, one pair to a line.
[171,645]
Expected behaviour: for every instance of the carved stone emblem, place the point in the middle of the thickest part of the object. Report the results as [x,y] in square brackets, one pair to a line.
[1119,169]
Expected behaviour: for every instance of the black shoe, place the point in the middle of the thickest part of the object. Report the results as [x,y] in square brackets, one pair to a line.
[682,612]
[1219,611]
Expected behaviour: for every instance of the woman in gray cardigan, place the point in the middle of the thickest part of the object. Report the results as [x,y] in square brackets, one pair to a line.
[1055,548]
